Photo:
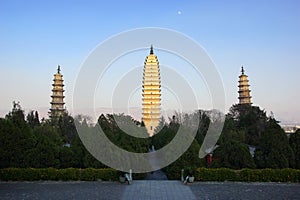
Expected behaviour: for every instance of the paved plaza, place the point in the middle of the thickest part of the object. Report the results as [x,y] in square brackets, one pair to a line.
[147,189]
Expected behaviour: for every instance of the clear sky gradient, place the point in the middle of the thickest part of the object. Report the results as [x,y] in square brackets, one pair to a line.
[263,36]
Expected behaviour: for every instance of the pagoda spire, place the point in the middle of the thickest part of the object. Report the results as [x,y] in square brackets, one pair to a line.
[151,50]
[58,69]
[244,91]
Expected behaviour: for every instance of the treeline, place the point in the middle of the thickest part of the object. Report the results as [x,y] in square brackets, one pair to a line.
[245,127]
[27,141]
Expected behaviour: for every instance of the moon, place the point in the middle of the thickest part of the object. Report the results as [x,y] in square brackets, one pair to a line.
[179,12]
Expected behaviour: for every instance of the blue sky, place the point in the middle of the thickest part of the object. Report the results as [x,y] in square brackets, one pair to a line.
[263,36]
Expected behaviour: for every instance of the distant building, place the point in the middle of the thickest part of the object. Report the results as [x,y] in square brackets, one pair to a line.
[288,129]
[244,91]
[57,103]
[151,93]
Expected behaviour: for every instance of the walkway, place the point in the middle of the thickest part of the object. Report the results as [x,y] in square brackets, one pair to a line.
[153,190]
[245,191]
[158,174]
[147,190]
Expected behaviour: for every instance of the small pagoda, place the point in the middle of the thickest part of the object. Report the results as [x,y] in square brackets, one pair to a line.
[57,104]
[244,91]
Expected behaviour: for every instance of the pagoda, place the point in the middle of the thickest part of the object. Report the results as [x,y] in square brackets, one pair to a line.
[244,91]
[151,93]
[57,104]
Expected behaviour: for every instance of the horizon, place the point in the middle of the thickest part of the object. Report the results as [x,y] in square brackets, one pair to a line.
[261,36]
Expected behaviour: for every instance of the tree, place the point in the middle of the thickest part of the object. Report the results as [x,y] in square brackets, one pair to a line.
[66,127]
[188,161]
[67,157]
[188,123]
[165,135]
[45,154]
[294,142]
[91,161]
[250,119]
[16,116]
[203,126]
[231,132]
[79,151]
[33,119]
[16,138]
[116,128]
[50,132]
[274,150]
[233,154]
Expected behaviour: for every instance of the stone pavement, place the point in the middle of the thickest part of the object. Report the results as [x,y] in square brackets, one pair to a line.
[245,191]
[148,189]
[57,190]
[154,190]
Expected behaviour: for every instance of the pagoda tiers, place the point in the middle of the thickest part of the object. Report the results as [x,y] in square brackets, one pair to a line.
[57,103]
[151,93]
[244,91]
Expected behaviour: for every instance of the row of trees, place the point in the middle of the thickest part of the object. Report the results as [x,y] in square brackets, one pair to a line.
[248,126]
[245,127]
[31,142]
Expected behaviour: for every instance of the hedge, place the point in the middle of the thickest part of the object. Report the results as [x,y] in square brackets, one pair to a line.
[107,174]
[270,175]
[248,175]
[216,174]
[69,174]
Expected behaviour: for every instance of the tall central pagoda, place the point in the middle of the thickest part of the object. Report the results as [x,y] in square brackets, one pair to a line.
[151,93]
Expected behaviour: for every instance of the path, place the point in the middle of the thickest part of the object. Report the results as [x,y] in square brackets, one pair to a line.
[158,174]
[148,190]
[153,190]
[61,190]
[245,191]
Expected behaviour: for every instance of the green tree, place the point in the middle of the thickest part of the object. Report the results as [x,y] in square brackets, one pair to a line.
[233,154]
[188,161]
[50,132]
[79,151]
[204,122]
[16,116]
[231,132]
[45,154]
[16,138]
[111,126]
[274,150]
[294,142]
[188,123]
[250,119]
[91,161]
[67,157]
[65,126]
[33,119]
